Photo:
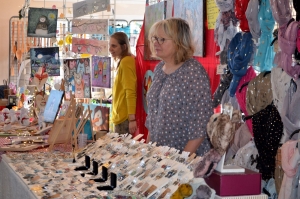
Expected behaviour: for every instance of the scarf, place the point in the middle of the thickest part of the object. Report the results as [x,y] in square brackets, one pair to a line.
[252,17]
[281,11]
[241,94]
[263,60]
[239,53]
[259,93]
[287,42]
[240,10]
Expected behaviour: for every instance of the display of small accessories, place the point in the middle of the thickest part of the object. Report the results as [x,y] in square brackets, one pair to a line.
[111,166]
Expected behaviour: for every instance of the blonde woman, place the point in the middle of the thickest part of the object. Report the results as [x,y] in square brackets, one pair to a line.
[179,99]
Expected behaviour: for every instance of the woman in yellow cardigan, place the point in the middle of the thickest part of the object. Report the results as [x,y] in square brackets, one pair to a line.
[125,86]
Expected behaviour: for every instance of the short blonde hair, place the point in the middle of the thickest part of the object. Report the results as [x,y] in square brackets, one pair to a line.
[179,31]
[122,39]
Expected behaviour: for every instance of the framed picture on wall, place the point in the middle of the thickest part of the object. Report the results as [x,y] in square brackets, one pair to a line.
[47,58]
[42,22]
[192,11]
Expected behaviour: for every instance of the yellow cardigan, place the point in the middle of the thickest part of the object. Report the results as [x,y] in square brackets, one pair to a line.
[124,90]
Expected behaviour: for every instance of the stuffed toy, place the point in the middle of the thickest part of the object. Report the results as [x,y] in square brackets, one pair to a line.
[183,191]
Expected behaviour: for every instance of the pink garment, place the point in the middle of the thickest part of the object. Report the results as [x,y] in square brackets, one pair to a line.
[241,94]
[289,161]
[287,38]
[281,11]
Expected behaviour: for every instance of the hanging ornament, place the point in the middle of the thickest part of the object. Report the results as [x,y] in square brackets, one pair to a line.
[69,39]
[60,42]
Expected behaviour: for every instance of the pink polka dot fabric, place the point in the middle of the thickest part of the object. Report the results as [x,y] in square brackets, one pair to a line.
[241,94]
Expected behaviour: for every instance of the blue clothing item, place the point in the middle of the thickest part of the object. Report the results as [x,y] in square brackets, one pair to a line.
[263,60]
[239,53]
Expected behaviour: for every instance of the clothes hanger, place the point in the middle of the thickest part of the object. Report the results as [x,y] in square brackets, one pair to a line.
[290,21]
[295,132]
[245,84]
[267,72]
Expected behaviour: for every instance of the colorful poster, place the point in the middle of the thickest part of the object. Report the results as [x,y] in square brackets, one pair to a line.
[42,22]
[212,11]
[90,46]
[100,116]
[101,68]
[192,11]
[77,77]
[47,58]
[90,26]
[153,13]
[89,7]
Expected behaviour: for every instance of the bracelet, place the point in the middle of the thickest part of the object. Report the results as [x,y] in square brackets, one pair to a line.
[132,120]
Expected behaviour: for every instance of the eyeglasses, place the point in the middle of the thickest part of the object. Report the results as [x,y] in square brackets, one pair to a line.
[159,40]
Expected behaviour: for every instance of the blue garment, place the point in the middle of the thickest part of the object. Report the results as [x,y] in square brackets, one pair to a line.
[239,53]
[263,60]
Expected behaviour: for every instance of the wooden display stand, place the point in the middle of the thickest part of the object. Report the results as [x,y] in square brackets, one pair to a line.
[84,117]
[61,132]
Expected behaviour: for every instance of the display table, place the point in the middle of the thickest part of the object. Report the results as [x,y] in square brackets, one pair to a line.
[141,169]
[11,184]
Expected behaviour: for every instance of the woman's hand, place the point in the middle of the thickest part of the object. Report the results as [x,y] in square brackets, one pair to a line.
[132,126]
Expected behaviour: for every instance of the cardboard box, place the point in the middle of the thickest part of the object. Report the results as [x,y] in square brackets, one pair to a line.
[262,196]
[235,184]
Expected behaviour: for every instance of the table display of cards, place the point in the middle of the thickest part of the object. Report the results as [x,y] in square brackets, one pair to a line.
[17,130]
[25,140]
[115,165]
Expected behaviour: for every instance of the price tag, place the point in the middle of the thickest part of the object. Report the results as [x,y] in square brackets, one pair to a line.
[221,69]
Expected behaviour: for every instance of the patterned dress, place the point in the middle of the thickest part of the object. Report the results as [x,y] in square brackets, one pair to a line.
[179,106]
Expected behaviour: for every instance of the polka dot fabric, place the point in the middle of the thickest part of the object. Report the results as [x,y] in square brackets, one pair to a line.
[179,106]
[267,130]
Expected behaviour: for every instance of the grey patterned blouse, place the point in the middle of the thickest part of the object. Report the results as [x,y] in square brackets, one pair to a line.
[179,106]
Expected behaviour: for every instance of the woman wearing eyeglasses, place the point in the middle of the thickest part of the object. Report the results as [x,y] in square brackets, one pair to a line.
[179,99]
[124,88]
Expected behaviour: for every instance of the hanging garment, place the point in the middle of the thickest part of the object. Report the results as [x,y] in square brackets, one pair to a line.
[259,93]
[241,137]
[226,24]
[280,82]
[295,192]
[276,61]
[291,108]
[246,156]
[287,42]
[289,159]
[240,10]
[252,17]
[226,99]
[225,29]
[267,130]
[281,11]
[223,86]
[263,60]
[241,94]
[239,53]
